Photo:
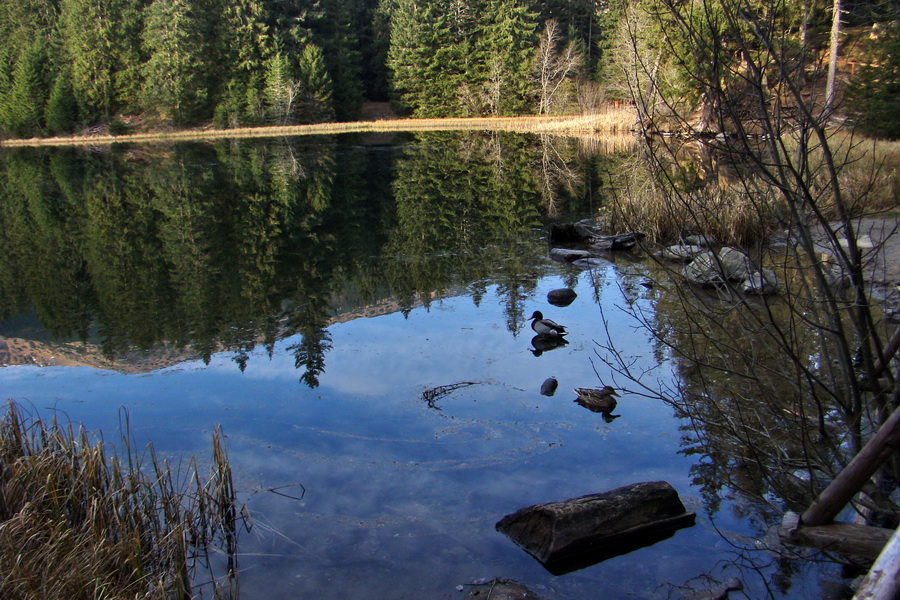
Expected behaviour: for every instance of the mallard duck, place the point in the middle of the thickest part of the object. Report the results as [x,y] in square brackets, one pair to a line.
[601,401]
[544,326]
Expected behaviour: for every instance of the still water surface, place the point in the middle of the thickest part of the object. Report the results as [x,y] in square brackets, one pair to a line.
[314,291]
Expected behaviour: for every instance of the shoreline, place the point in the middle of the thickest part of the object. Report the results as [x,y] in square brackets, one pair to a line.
[616,121]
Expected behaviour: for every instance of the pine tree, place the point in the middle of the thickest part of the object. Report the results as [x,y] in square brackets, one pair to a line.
[175,74]
[101,42]
[61,111]
[23,106]
[874,93]
[336,34]
[425,64]
[314,104]
[244,45]
[508,41]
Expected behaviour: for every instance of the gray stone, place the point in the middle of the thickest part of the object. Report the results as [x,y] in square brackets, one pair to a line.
[548,388]
[762,283]
[561,297]
[498,589]
[703,270]
[682,252]
[591,263]
[736,266]
[706,241]
[567,254]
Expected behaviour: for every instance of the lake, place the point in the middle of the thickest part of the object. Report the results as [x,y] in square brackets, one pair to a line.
[353,311]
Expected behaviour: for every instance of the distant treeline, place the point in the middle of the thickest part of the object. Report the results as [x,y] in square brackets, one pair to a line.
[66,65]
[69,65]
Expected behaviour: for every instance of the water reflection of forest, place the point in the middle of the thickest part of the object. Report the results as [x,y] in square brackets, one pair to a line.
[234,245]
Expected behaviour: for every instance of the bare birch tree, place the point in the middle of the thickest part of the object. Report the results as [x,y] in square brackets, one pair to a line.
[555,65]
[776,383]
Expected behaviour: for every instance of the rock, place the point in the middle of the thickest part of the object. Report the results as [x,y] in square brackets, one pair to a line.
[567,233]
[762,283]
[591,263]
[705,241]
[720,592]
[616,243]
[736,266]
[548,388]
[561,297]
[498,589]
[710,270]
[682,252]
[703,270]
[568,255]
[600,525]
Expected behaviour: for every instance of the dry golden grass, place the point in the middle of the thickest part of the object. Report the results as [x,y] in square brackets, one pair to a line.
[612,121]
[78,524]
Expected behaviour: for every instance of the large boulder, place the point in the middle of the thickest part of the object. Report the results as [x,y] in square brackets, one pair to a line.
[736,266]
[597,523]
[709,269]
[704,270]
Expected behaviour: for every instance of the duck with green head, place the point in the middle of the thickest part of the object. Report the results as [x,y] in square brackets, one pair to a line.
[546,327]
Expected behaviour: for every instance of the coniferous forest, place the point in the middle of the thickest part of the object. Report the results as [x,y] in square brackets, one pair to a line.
[67,66]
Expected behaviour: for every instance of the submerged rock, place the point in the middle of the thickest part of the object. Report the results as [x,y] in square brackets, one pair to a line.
[762,283]
[682,252]
[561,297]
[568,254]
[548,388]
[497,589]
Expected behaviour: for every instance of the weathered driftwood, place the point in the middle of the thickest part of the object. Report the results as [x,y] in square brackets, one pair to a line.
[848,539]
[600,525]
[883,580]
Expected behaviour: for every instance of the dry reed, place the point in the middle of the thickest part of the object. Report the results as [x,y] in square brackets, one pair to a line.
[614,120]
[78,523]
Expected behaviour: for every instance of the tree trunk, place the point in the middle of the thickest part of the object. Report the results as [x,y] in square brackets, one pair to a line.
[834,45]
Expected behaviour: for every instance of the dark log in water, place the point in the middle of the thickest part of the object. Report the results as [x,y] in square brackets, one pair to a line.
[576,532]
[849,539]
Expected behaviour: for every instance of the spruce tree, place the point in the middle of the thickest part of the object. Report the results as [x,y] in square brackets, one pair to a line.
[244,44]
[23,106]
[101,42]
[314,104]
[175,74]
[61,111]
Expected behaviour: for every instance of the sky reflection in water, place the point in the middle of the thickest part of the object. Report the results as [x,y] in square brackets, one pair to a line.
[401,499]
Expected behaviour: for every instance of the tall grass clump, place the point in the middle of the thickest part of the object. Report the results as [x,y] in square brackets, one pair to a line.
[79,522]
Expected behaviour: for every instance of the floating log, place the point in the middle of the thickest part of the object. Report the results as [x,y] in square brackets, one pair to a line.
[849,539]
[580,531]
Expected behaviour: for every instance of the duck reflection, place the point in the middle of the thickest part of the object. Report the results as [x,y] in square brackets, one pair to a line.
[543,343]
